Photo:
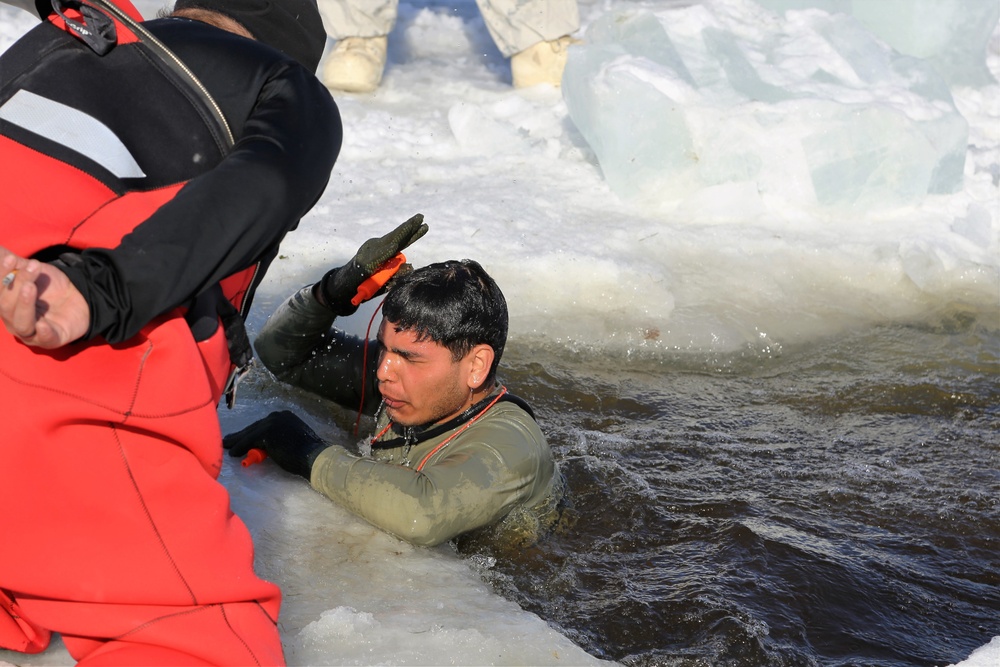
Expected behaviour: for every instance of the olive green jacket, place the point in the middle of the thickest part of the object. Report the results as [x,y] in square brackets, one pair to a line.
[498,468]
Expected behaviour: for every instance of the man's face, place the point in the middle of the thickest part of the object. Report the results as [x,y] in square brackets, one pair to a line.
[420,382]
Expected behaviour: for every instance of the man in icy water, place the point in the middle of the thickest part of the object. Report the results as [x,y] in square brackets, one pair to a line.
[453,451]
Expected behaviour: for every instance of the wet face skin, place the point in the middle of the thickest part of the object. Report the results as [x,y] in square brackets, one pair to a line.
[420,381]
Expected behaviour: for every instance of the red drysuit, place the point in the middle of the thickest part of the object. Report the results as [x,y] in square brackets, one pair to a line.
[115,532]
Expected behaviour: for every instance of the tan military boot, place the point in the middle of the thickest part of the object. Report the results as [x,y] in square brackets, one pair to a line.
[542,63]
[355,64]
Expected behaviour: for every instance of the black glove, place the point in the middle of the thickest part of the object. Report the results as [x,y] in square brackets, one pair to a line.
[336,289]
[286,439]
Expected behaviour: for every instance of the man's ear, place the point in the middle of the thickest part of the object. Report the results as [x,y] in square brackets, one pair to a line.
[480,361]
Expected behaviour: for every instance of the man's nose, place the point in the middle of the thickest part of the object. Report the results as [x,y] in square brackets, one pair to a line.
[385,372]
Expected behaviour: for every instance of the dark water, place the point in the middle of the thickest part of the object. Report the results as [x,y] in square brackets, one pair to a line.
[837,504]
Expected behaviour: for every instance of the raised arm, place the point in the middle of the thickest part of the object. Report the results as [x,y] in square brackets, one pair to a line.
[298,343]
[301,347]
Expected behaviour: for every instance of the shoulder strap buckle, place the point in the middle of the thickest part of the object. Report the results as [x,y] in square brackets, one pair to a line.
[233,382]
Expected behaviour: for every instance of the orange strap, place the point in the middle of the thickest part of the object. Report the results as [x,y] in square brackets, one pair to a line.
[423,461]
[377,280]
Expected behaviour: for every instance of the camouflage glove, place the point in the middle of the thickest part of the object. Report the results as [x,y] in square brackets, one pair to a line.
[336,289]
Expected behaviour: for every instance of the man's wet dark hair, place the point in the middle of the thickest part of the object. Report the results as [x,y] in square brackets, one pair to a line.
[455,304]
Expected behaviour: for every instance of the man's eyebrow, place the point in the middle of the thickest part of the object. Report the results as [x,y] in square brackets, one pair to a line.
[404,353]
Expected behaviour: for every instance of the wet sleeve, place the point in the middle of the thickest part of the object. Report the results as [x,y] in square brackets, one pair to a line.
[477,484]
[301,347]
[225,220]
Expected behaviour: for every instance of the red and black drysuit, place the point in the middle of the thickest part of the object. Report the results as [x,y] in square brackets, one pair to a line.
[114,530]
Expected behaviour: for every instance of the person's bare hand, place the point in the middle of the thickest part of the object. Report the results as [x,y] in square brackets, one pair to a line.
[39,305]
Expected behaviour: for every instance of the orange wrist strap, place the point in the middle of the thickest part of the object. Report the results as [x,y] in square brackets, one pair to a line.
[377,281]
